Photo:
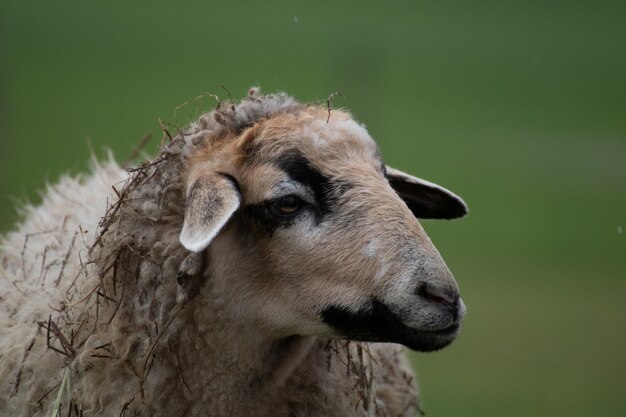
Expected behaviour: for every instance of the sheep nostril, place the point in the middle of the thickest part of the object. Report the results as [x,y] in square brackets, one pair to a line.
[439,295]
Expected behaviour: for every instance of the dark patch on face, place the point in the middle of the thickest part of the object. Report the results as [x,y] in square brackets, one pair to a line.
[374,322]
[301,170]
[261,215]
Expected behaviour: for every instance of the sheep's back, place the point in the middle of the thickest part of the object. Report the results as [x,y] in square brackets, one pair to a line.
[44,265]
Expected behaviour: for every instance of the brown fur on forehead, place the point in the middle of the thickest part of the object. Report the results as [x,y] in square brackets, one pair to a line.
[330,144]
[256,183]
[323,141]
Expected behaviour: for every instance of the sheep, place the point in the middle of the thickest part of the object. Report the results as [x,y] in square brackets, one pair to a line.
[265,263]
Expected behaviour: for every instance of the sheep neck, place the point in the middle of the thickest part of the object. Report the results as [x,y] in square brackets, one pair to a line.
[245,368]
[288,355]
[243,365]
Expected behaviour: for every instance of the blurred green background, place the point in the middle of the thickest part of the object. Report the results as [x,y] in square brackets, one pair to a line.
[519,107]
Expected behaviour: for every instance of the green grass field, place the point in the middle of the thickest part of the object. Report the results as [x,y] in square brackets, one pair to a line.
[519,107]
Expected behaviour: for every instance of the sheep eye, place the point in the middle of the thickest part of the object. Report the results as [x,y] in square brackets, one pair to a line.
[286,206]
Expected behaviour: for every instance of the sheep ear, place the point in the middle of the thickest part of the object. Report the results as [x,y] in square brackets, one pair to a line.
[425,199]
[211,201]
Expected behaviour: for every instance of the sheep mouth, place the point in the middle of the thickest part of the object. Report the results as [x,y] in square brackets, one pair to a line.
[375,322]
[451,330]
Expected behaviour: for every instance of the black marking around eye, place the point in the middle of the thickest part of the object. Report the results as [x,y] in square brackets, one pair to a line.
[260,215]
[301,170]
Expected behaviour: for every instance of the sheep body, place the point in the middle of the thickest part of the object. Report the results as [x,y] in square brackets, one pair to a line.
[40,264]
[43,263]
[104,312]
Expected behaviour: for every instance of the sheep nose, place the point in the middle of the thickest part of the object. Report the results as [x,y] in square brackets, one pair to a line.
[444,297]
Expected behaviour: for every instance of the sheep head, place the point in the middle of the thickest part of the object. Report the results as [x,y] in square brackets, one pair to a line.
[309,229]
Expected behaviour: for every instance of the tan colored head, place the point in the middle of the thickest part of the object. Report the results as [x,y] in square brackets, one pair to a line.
[314,235]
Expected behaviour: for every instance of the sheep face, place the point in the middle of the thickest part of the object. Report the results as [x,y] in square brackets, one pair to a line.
[300,215]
